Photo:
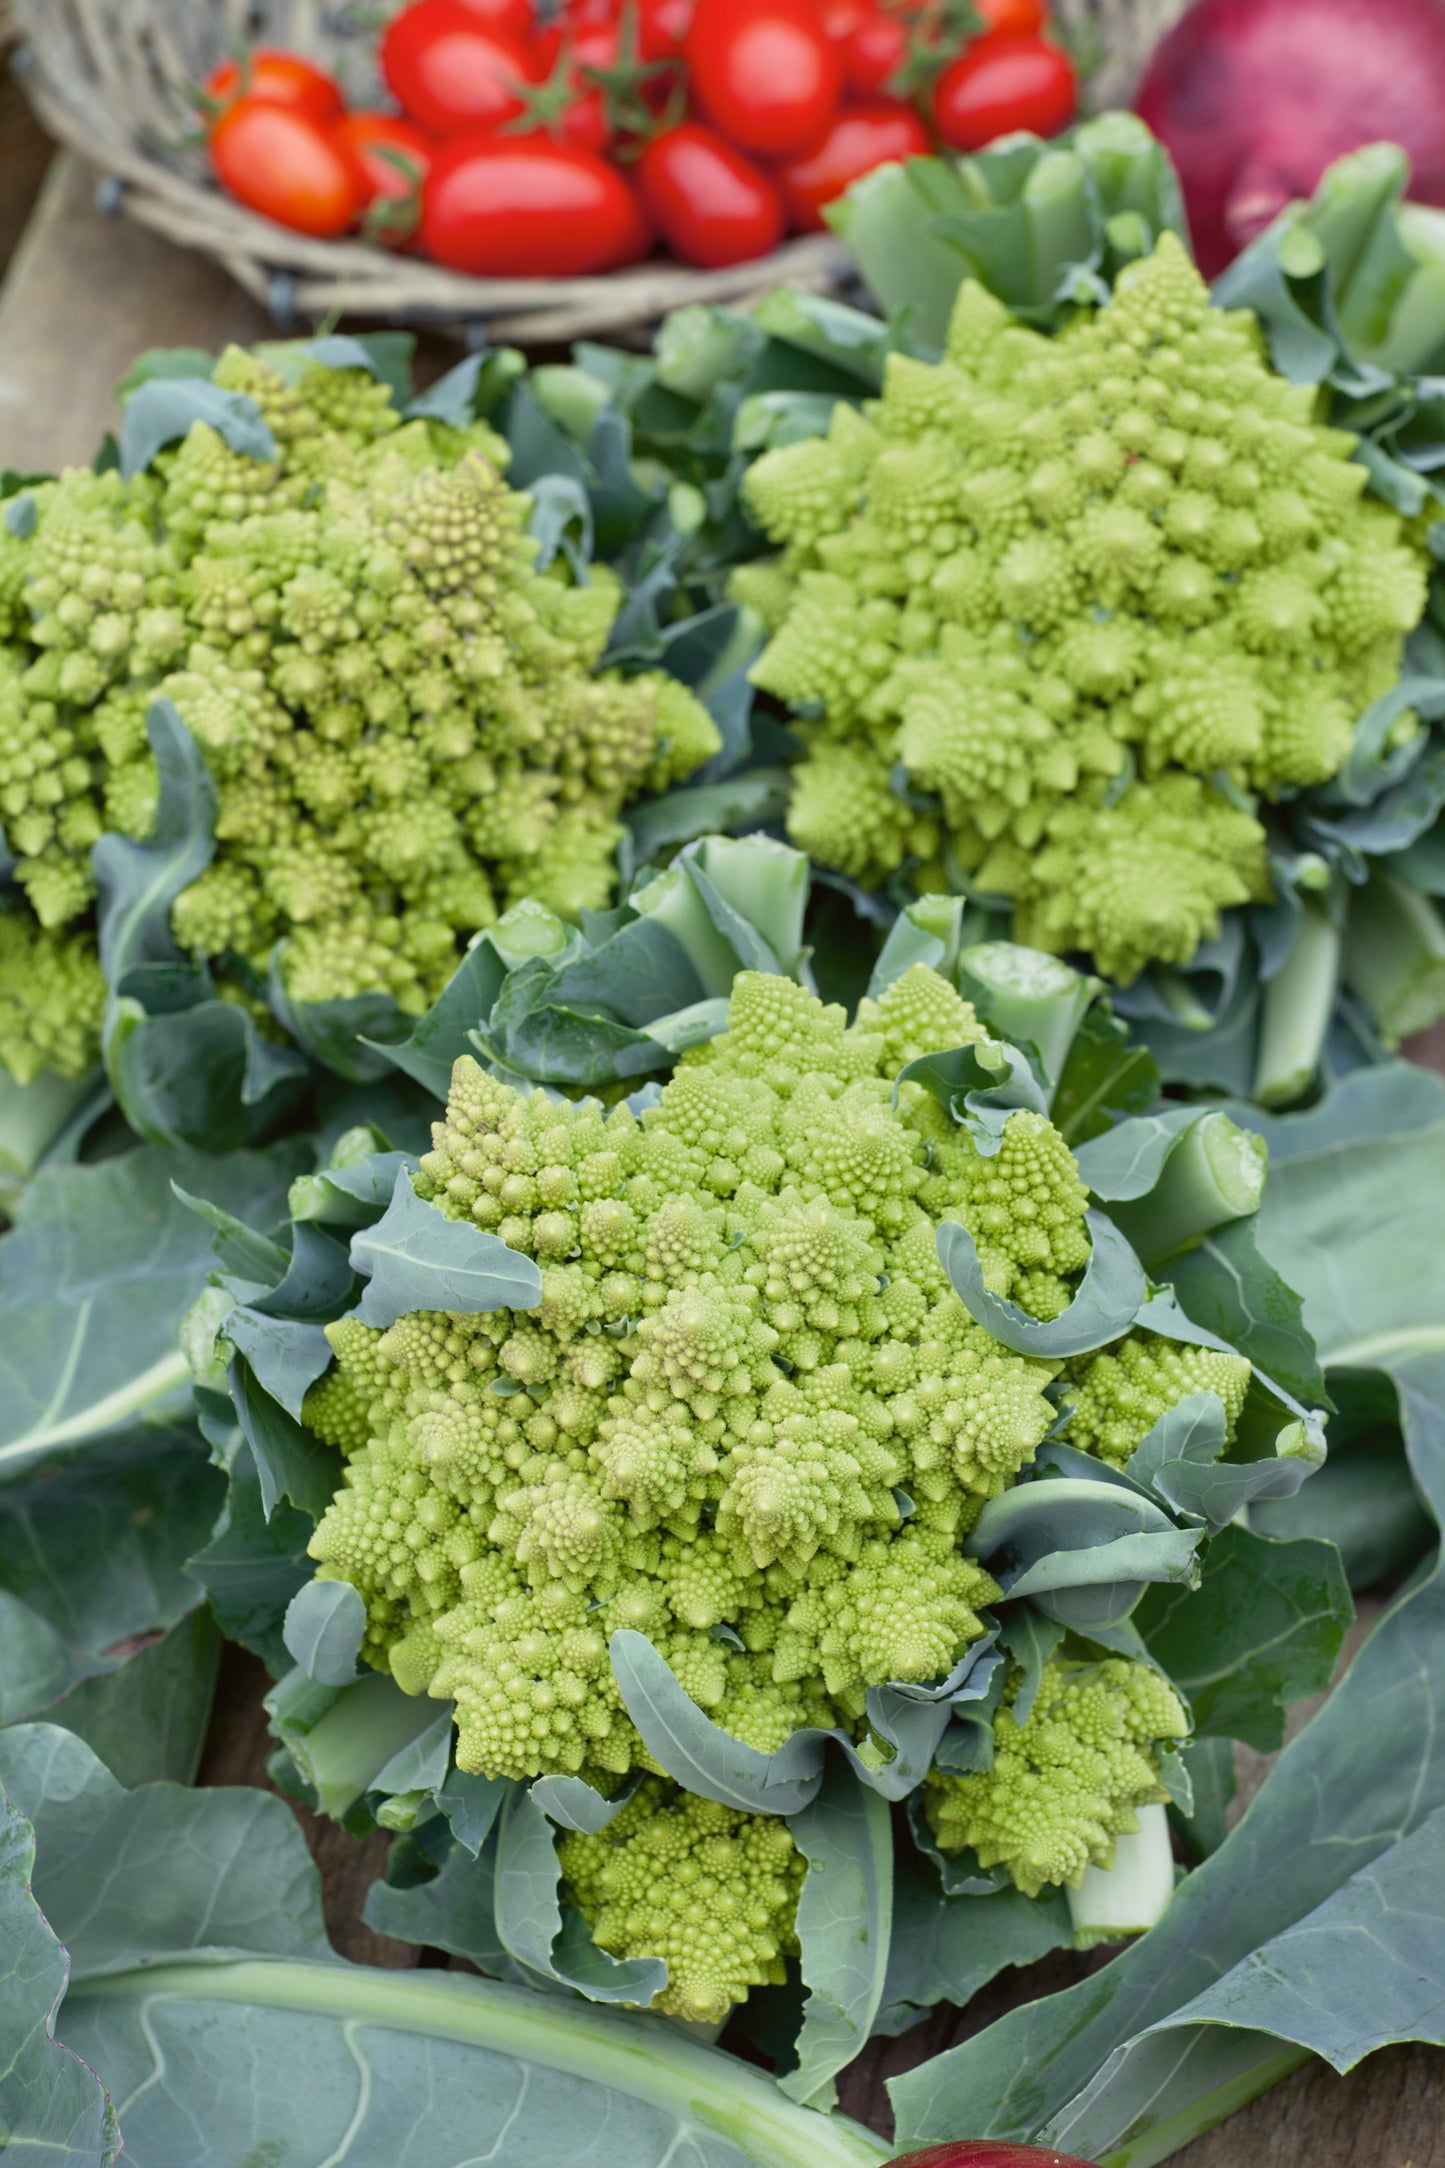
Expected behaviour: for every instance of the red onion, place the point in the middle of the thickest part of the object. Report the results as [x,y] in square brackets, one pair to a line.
[982,2153]
[1254,98]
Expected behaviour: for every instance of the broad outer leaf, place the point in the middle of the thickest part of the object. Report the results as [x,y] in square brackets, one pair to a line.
[1351,1217]
[415,1258]
[1365,1969]
[1263,1628]
[944,1949]
[101,1265]
[203,1989]
[52,2107]
[1105,1305]
[93,1559]
[845,1927]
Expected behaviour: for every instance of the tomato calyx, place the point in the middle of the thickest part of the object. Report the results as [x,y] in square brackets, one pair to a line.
[627,100]
[938,31]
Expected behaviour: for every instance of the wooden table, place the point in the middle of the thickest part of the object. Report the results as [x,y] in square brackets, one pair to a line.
[86,293]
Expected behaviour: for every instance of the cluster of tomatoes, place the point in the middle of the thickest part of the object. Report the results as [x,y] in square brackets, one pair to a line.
[557,146]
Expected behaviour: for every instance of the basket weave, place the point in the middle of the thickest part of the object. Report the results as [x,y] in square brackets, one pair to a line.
[113,79]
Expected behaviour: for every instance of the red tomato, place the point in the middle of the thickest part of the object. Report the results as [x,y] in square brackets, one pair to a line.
[510,18]
[711,204]
[764,72]
[451,72]
[525,207]
[278,162]
[280,79]
[982,2153]
[861,138]
[873,54]
[395,158]
[842,17]
[1010,18]
[662,28]
[1001,84]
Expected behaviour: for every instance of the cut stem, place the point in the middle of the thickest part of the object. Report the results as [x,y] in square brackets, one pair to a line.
[1214,1174]
[1299,1002]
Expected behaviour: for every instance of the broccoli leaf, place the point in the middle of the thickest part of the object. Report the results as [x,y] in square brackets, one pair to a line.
[1105,1305]
[845,1927]
[95,1277]
[1263,1628]
[415,1258]
[944,1949]
[51,2104]
[193,1923]
[93,1561]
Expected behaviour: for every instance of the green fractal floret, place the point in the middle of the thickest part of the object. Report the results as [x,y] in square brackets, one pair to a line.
[1090,594]
[749,1418]
[1066,1782]
[712,1891]
[1115,1399]
[407,724]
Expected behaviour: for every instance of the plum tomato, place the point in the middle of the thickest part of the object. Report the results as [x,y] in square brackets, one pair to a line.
[1010,18]
[983,2153]
[277,162]
[451,72]
[279,78]
[764,72]
[662,28]
[873,52]
[526,207]
[862,137]
[1001,84]
[711,204]
[509,18]
[395,158]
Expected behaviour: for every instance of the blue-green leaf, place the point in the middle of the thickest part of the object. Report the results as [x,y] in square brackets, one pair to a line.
[166,408]
[1105,1305]
[202,1988]
[52,2106]
[415,1258]
[1083,1551]
[845,1925]
[1264,1628]
[531,1922]
[325,1622]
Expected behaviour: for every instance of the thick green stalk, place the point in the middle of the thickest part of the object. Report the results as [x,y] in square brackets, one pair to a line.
[1298,1004]
[1395,956]
[1026,996]
[1214,1174]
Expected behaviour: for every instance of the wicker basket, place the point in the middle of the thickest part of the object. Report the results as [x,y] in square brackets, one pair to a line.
[112,79]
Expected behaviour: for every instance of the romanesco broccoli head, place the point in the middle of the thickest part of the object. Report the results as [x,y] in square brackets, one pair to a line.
[713,1891]
[407,724]
[1065,1782]
[748,1418]
[1086,598]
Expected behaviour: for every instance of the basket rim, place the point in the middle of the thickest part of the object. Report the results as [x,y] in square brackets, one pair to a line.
[355,276]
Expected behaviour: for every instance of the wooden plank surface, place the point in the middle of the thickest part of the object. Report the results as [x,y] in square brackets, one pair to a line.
[84,295]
